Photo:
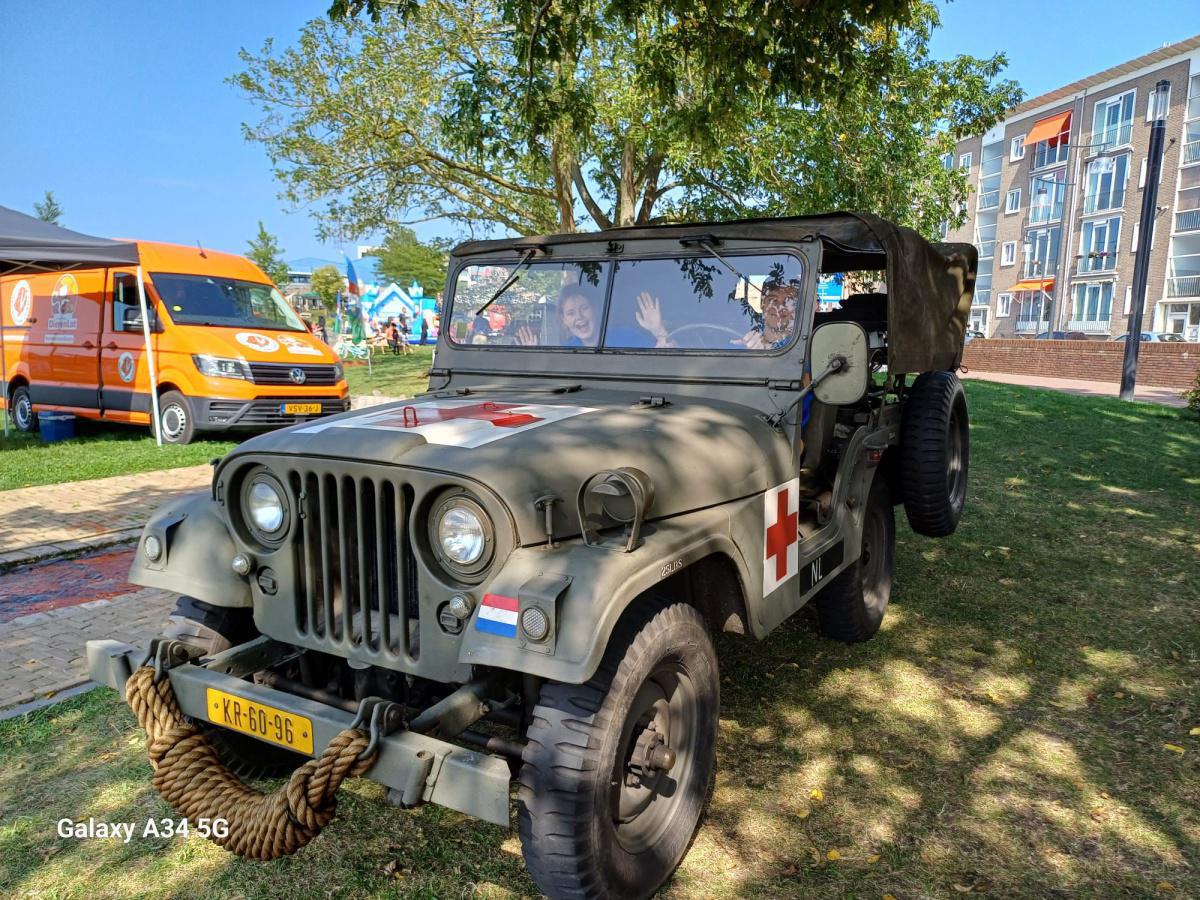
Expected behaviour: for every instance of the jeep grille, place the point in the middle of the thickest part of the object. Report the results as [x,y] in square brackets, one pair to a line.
[356,573]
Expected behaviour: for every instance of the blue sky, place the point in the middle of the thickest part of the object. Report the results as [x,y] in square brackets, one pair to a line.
[121,108]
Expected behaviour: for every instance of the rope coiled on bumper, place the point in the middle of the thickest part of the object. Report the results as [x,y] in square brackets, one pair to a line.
[190,775]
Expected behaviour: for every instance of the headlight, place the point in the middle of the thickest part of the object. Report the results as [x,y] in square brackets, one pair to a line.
[265,509]
[461,535]
[220,367]
[338,372]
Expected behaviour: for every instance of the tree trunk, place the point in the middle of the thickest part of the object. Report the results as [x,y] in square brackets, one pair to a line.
[627,189]
[561,160]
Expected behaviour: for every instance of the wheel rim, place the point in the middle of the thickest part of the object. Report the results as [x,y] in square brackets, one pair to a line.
[174,421]
[657,758]
[23,412]
[956,465]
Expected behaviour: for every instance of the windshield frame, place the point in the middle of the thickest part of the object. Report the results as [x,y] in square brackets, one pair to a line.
[244,325]
[803,310]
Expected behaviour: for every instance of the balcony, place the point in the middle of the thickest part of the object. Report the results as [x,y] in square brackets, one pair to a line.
[1110,137]
[989,200]
[1088,326]
[1097,261]
[1188,220]
[1183,286]
[1103,200]
[1026,326]
[1191,153]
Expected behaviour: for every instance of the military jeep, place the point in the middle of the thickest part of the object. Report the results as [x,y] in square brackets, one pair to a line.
[631,441]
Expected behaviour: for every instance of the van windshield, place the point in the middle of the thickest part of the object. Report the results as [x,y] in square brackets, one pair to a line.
[732,303]
[224,302]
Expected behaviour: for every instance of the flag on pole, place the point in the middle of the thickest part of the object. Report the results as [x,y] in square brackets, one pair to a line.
[354,286]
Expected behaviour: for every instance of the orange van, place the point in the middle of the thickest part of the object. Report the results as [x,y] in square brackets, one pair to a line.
[229,351]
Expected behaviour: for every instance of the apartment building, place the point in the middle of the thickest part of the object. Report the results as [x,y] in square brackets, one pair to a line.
[1056,201]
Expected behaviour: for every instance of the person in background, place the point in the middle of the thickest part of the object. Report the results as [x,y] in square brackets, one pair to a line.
[392,333]
[579,313]
[320,331]
[424,330]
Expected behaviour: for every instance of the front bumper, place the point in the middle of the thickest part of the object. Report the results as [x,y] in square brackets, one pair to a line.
[213,414]
[421,768]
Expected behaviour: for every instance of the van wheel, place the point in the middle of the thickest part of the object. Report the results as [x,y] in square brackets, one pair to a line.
[175,418]
[851,607]
[216,628]
[935,448]
[23,416]
[616,772]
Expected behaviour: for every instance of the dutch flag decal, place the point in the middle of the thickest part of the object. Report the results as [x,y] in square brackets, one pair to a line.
[498,615]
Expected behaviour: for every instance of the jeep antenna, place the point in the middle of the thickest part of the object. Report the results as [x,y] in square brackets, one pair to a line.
[202,253]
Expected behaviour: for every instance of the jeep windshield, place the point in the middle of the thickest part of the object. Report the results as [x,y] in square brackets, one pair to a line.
[225,302]
[735,303]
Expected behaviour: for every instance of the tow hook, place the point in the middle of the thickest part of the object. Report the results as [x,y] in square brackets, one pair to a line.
[382,718]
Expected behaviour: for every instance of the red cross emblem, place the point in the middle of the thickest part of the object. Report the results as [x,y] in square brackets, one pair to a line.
[498,414]
[780,534]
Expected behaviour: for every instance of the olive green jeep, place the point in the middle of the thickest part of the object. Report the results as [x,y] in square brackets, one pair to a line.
[631,441]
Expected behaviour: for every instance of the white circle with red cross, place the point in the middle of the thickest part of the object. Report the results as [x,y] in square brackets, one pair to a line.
[256,341]
[20,302]
[125,367]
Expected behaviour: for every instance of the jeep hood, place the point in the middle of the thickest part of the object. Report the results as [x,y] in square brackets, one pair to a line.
[698,453]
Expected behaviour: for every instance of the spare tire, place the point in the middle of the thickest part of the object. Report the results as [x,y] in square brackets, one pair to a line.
[935,450]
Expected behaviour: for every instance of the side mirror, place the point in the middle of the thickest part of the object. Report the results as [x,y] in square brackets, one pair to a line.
[840,363]
[132,321]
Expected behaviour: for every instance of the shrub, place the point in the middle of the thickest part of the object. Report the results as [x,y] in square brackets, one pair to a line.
[1192,396]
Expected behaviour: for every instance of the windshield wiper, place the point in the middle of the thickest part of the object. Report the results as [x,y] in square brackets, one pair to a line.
[562,389]
[511,280]
[707,245]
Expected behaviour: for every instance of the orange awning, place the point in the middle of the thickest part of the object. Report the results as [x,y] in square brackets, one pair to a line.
[1035,284]
[1048,128]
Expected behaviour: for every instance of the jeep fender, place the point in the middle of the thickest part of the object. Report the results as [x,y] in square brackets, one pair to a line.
[584,590]
[196,553]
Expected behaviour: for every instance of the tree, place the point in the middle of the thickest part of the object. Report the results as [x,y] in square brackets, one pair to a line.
[49,209]
[327,283]
[403,259]
[265,251]
[431,111]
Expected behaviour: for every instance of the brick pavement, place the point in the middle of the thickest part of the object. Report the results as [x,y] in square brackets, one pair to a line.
[43,653]
[59,519]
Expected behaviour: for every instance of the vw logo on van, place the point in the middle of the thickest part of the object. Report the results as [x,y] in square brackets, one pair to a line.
[297,375]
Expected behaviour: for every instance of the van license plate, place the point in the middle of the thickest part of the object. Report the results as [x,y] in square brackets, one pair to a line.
[301,409]
[261,721]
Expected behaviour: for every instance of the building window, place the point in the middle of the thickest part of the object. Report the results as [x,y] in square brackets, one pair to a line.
[1041,252]
[1092,306]
[1046,193]
[1128,298]
[1112,122]
[964,161]
[1008,253]
[1150,103]
[947,161]
[1053,150]
[1105,184]
[1137,226]
[1098,245]
[943,229]
[1016,148]
[1012,201]
[979,321]
[1003,305]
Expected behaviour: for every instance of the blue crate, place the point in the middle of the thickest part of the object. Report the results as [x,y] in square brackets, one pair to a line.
[56,426]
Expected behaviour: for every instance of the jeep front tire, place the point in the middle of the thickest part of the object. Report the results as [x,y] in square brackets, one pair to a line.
[616,771]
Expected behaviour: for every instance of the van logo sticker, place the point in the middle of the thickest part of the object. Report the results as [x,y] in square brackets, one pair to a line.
[497,615]
[125,367]
[256,341]
[295,346]
[62,304]
[20,304]
[297,375]
[781,534]
[457,423]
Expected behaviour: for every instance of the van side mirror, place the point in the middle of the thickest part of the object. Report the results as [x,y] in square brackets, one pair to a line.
[132,320]
[840,358]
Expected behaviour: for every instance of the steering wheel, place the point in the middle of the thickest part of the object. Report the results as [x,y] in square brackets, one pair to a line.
[693,326]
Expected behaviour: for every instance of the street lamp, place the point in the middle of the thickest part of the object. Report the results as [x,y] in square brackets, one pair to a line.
[1141,266]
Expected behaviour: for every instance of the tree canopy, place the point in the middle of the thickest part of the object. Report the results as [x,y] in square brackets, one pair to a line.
[264,250]
[49,209]
[404,259]
[327,283]
[433,110]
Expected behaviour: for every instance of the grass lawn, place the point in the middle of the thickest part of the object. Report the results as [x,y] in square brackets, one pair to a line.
[1025,725]
[98,450]
[391,376]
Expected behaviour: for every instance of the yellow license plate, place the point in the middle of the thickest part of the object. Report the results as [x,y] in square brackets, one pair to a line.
[261,721]
[301,409]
